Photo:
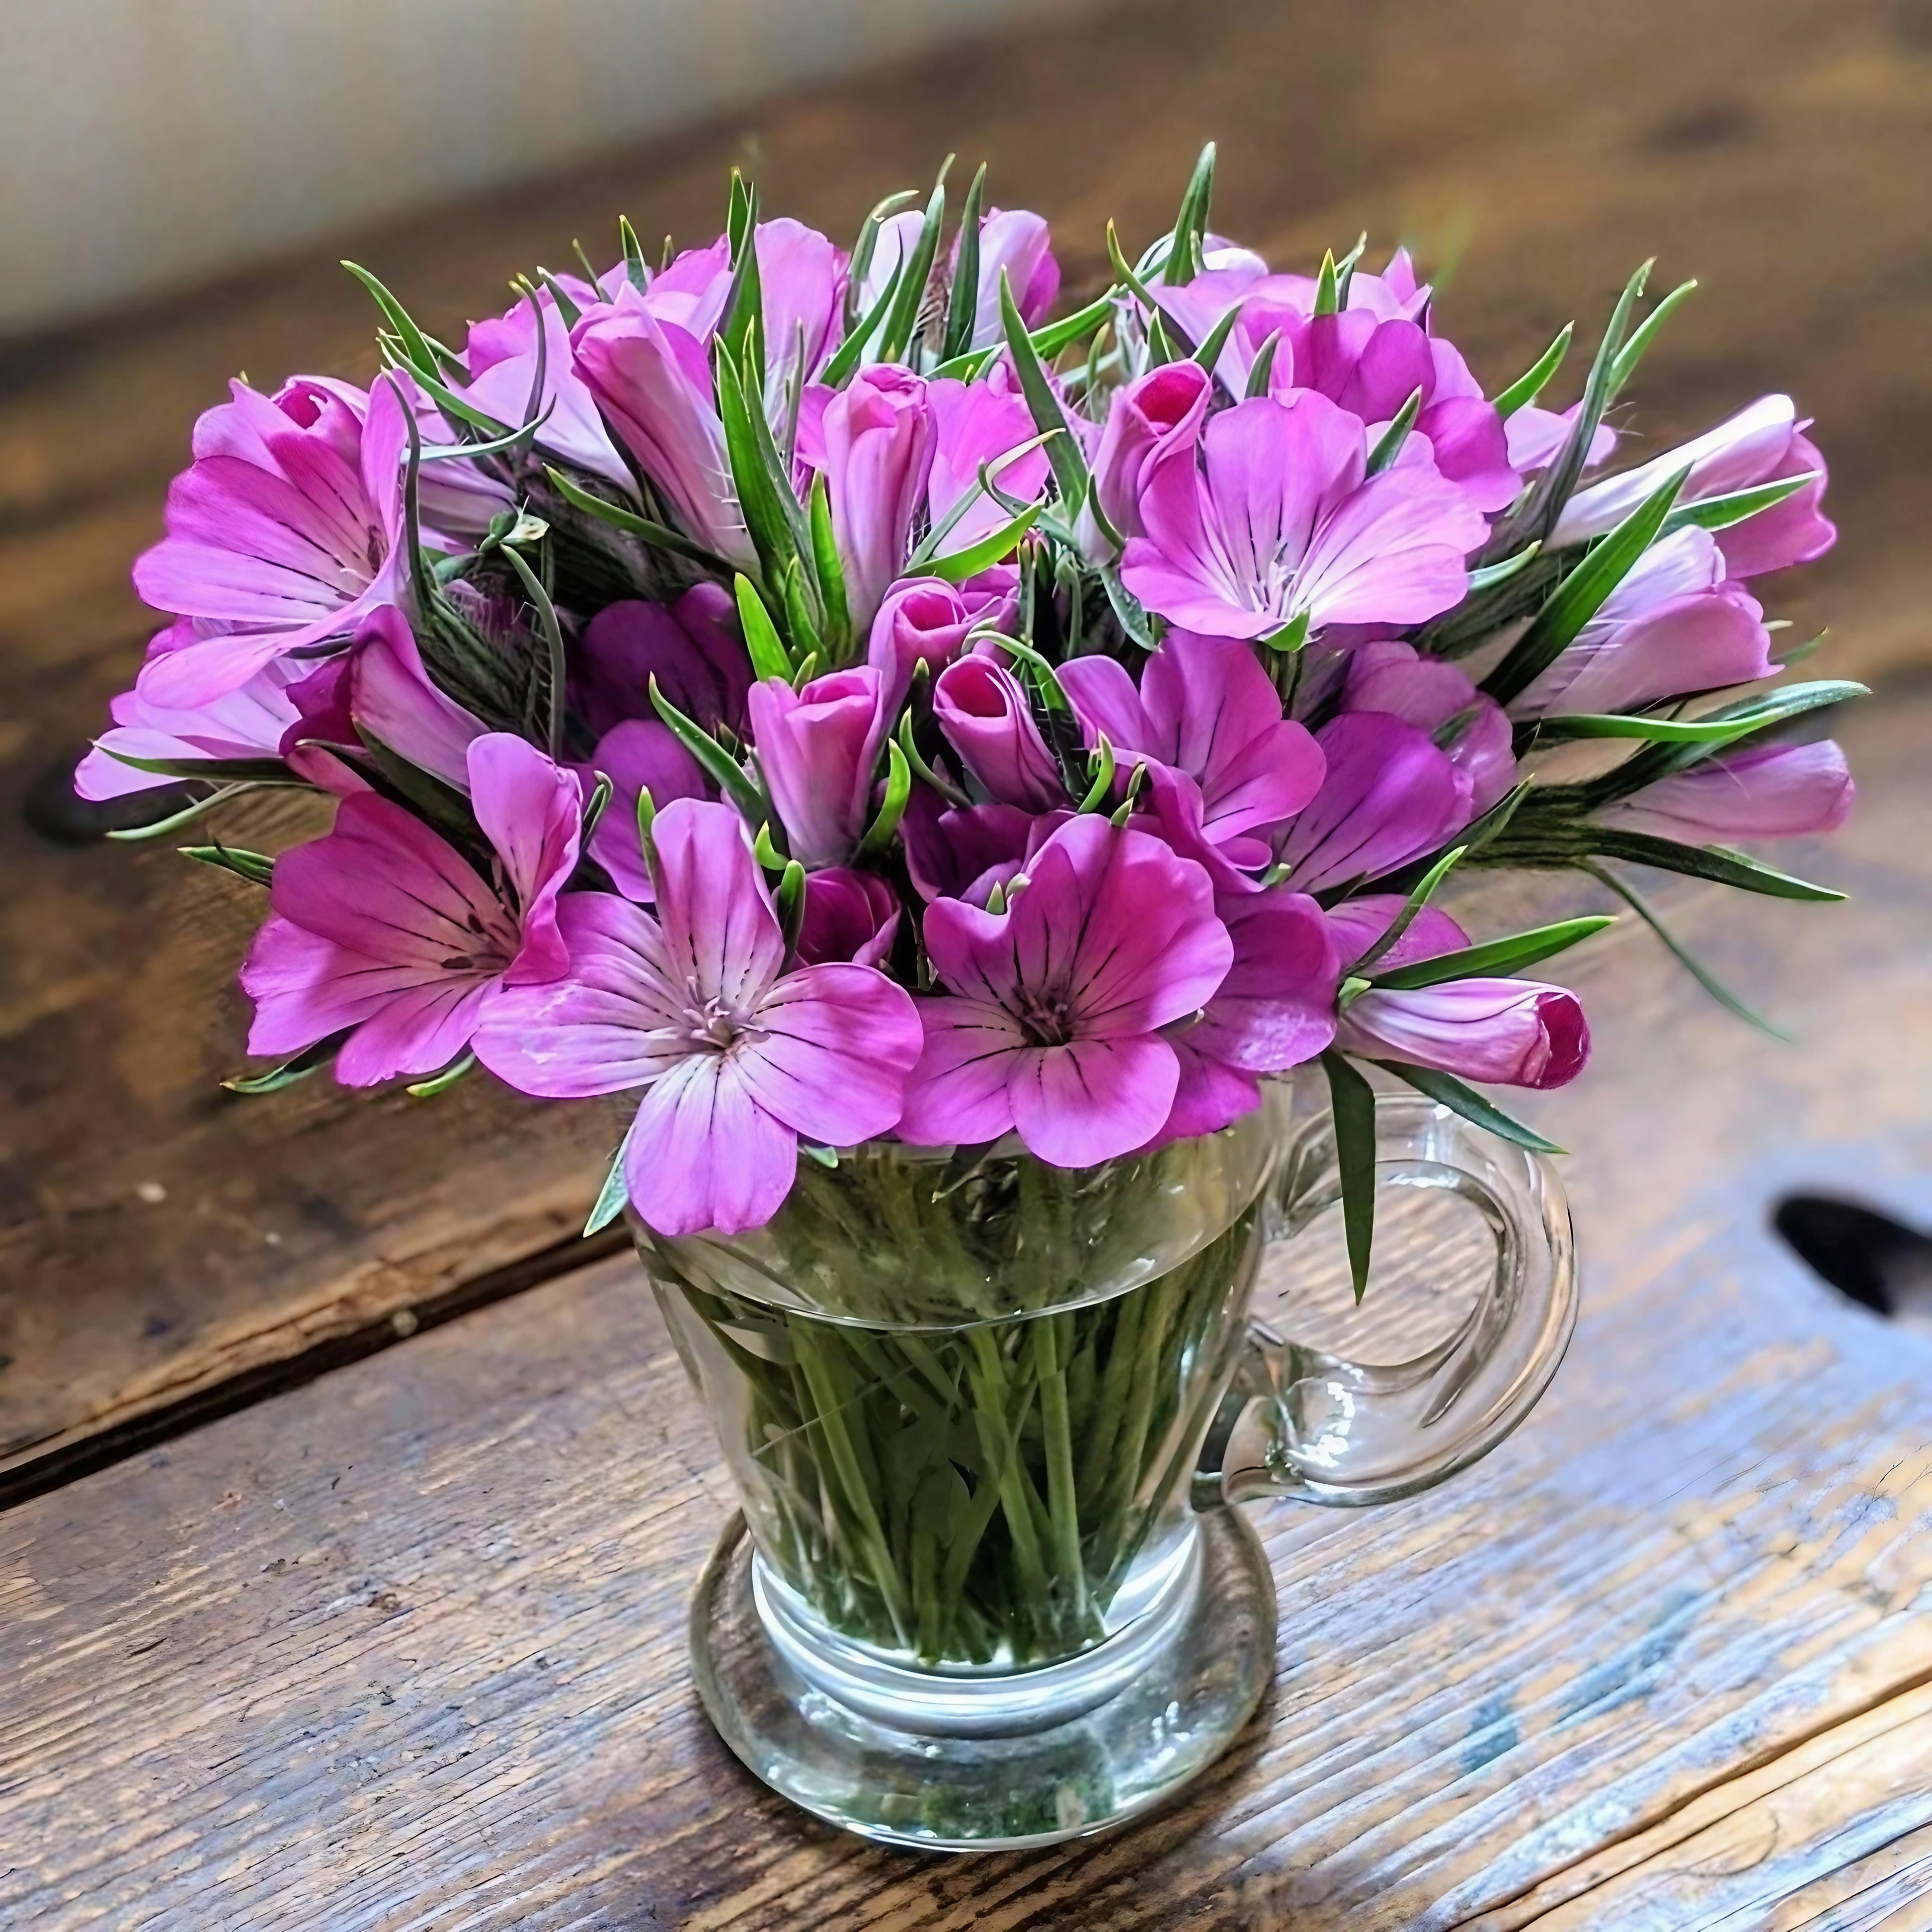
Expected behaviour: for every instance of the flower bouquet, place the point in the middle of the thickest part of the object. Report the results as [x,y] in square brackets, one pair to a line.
[948,759]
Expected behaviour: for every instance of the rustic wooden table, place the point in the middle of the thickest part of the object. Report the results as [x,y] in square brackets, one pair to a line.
[320,1608]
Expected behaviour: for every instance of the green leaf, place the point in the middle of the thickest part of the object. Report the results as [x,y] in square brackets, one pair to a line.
[239,771]
[1063,451]
[1446,1090]
[1215,340]
[1716,727]
[1581,594]
[838,371]
[1100,763]
[891,809]
[1552,490]
[415,345]
[1123,275]
[1710,983]
[956,566]
[837,627]
[718,764]
[767,517]
[1344,269]
[255,867]
[1327,296]
[769,657]
[635,267]
[1353,1100]
[800,618]
[659,536]
[614,1195]
[1495,957]
[133,835]
[568,311]
[1489,575]
[963,308]
[1422,892]
[903,318]
[1184,259]
[742,328]
[1645,333]
[441,1083]
[1128,609]
[595,806]
[552,636]
[1389,445]
[1535,379]
[863,250]
[299,1068]
[1291,636]
[1719,513]
[1262,366]
[953,795]
[1705,862]
[789,902]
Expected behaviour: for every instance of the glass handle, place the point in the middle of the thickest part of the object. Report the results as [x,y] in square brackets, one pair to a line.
[1462,1217]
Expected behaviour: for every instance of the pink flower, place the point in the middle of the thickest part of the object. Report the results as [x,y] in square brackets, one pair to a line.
[965,853]
[737,1058]
[975,423]
[1769,791]
[877,434]
[1283,523]
[691,647]
[640,755]
[1674,625]
[1437,696]
[1053,1022]
[278,535]
[653,381]
[1760,444]
[848,915]
[923,620]
[987,718]
[1210,717]
[1148,420]
[1514,1032]
[1016,242]
[817,749]
[501,357]
[247,722]
[1389,796]
[383,929]
[1274,1010]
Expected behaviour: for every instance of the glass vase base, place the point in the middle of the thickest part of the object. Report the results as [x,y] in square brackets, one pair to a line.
[1188,1699]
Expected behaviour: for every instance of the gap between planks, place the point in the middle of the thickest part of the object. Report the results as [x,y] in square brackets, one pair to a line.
[264,1381]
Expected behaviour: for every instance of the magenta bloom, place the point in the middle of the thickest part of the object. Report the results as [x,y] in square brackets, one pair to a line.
[923,620]
[737,1058]
[1053,1024]
[1769,791]
[1390,795]
[1148,420]
[383,929]
[284,533]
[1514,1032]
[817,749]
[1282,523]
[1437,696]
[974,423]
[987,720]
[1016,242]
[963,853]
[1675,624]
[1204,708]
[878,436]
[848,915]
[691,647]
[247,722]
[1274,1010]
[1760,444]
[640,755]
[501,357]
[653,381]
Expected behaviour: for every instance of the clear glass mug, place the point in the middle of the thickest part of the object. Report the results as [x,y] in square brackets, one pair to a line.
[984,1417]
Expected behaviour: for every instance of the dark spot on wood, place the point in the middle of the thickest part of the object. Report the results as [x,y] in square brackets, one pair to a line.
[384,1600]
[141,1649]
[1711,124]
[1869,1258]
[156,1326]
[53,810]
[1492,1731]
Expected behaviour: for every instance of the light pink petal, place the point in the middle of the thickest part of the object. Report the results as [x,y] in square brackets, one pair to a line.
[720,930]
[641,753]
[1358,923]
[957,1093]
[1094,1100]
[703,1156]
[836,1045]
[531,811]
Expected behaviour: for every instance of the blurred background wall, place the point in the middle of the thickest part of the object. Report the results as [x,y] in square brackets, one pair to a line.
[148,144]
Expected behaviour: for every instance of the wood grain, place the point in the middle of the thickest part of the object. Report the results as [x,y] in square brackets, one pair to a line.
[405,1648]
[157,1236]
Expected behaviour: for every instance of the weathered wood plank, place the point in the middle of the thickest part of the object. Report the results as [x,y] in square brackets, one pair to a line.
[1779,165]
[404,1649]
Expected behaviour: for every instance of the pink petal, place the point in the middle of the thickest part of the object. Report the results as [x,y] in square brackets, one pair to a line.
[837,1042]
[957,1092]
[720,932]
[703,1156]
[1093,1101]
[531,811]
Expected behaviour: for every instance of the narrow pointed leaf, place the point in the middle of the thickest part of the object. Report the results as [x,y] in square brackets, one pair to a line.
[298,1068]
[1643,336]
[903,320]
[1495,957]
[1353,1100]
[891,809]
[636,269]
[1536,378]
[1460,1098]
[1388,447]
[1705,862]
[1423,891]
[441,1083]
[659,536]
[1063,450]
[1262,366]
[1326,296]
[769,657]
[1719,513]
[963,308]
[1190,225]
[717,764]
[613,1196]
[958,565]
[837,629]
[256,867]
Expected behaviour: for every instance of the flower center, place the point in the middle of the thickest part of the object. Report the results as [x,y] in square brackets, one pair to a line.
[497,941]
[1045,1015]
[708,1022]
